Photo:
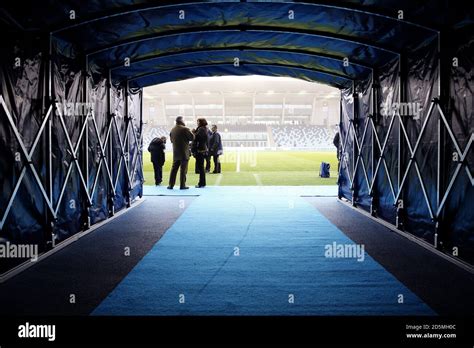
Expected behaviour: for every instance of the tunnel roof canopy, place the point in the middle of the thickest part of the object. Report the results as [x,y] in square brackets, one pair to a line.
[175,40]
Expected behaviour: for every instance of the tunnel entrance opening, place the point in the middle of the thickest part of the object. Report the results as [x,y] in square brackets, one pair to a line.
[275,131]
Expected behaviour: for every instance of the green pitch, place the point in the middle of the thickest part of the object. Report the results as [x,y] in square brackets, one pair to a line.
[248,168]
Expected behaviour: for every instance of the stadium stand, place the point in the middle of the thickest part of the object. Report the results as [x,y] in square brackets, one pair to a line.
[258,135]
[303,136]
[152,132]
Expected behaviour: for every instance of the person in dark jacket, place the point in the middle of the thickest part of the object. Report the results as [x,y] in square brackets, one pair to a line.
[180,137]
[200,150]
[157,150]
[337,143]
[215,149]
[208,157]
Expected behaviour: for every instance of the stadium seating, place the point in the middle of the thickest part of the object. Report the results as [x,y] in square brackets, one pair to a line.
[303,136]
[152,132]
[257,135]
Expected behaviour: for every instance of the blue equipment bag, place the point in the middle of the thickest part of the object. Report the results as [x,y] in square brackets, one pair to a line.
[324,170]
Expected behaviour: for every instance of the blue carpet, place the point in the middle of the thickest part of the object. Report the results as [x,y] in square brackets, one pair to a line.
[281,240]
[320,190]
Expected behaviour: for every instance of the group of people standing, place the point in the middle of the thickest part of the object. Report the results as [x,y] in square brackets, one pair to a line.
[201,143]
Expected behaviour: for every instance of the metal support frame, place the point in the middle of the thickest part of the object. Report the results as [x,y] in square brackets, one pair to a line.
[434,212]
[123,153]
[344,157]
[357,158]
[127,145]
[379,149]
[85,96]
[140,160]
[110,116]
[373,121]
[50,135]
[354,140]
[27,156]
[74,162]
[78,153]
[399,220]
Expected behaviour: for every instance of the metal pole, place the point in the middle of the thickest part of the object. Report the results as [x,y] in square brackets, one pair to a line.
[401,91]
[110,116]
[354,132]
[441,145]
[127,144]
[44,140]
[87,222]
[373,204]
[50,132]
[141,140]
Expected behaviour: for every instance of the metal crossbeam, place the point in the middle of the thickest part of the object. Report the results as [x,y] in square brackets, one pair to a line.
[344,154]
[137,156]
[73,150]
[28,156]
[461,162]
[122,152]
[359,150]
[381,156]
[471,179]
[12,197]
[413,161]
[413,150]
[103,157]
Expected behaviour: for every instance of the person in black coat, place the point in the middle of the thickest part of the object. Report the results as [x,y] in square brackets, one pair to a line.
[180,137]
[200,150]
[337,143]
[215,149]
[208,157]
[157,150]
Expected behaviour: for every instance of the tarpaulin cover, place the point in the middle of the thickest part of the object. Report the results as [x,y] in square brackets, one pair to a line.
[21,88]
[458,213]
[420,195]
[329,66]
[26,218]
[102,53]
[195,42]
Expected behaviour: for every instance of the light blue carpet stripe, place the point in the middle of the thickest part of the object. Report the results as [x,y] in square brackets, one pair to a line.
[281,240]
[319,190]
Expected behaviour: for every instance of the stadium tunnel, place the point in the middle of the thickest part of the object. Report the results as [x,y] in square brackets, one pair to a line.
[61,175]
